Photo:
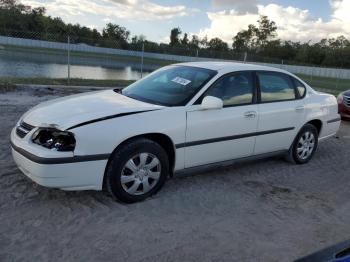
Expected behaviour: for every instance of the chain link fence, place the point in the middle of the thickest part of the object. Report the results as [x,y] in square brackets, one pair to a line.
[66,58]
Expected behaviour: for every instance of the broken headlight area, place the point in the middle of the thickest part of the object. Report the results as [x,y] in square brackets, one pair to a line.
[54,139]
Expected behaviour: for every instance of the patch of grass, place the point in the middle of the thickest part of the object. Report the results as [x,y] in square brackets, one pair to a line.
[11,81]
[327,84]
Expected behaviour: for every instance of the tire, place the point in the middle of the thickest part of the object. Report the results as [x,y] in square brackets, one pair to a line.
[137,170]
[299,152]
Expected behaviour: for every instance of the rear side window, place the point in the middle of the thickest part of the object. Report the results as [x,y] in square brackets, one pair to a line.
[300,87]
[275,87]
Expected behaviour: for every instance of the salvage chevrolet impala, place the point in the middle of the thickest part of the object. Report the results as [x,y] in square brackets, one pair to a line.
[183,117]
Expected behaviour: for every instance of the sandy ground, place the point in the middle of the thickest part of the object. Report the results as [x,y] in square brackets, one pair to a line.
[259,211]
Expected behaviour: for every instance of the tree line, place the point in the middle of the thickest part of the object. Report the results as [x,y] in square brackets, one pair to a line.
[260,41]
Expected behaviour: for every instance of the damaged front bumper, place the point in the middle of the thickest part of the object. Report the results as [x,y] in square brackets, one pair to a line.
[55,169]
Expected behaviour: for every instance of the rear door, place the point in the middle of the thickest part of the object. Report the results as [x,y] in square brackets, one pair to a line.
[281,112]
[227,133]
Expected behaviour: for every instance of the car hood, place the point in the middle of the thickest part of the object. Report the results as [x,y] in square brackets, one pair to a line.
[346,93]
[69,111]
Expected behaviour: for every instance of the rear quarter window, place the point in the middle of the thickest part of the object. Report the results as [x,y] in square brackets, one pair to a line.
[300,87]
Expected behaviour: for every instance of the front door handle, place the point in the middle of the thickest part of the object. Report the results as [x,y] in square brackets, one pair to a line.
[250,114]
[299,108]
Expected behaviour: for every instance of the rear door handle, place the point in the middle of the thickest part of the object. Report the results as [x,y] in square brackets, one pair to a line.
[250,114]
[300,108]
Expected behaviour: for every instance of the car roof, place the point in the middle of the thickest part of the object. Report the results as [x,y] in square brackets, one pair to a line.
[230,66]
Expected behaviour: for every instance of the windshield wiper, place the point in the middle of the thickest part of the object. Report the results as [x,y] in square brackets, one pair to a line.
[119,91]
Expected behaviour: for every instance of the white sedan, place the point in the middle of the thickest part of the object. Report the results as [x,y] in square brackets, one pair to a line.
[180,118]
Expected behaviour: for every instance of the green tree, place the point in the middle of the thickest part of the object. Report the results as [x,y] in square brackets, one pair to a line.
[96,37]
[12,16]
[255,38]
[243,39]
[37,21]
[217,44]
[204,42]
[338,43]
[265,31]
[138,39]
[194,43]
[12,4]
[185,40]
[311,54]
[115,35]
[175,36]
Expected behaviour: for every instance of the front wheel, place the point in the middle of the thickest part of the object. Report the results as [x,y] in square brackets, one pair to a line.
[137,170]
[305,145]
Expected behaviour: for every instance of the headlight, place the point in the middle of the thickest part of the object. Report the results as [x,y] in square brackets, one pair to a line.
[340,98]
[54,139]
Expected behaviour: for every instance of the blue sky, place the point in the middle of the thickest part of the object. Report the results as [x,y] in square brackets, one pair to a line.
[298,20]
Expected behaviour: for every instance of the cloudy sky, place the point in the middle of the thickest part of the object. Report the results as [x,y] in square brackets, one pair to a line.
[298,20]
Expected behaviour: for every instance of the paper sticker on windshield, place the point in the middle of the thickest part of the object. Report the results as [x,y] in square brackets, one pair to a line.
[181,81]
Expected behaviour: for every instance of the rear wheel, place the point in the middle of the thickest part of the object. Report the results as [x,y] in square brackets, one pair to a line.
[305,145]
[137,170]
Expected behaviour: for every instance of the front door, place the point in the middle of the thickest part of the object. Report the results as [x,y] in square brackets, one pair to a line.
[223,134]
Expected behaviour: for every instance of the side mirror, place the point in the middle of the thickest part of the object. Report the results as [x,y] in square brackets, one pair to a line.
[211,102]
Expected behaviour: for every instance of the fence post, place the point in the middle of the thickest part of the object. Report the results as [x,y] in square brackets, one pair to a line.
[143,50]
[68,60]
[338,76]
[245,57]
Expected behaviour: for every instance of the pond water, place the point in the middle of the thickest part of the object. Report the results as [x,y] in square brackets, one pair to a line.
[15,63]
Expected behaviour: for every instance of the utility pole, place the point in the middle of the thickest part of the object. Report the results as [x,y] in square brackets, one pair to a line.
[143,50]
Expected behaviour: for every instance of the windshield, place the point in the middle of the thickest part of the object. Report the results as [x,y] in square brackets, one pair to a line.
[170,86]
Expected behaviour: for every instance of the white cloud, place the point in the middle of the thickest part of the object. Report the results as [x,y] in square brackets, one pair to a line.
[240,6]
[341,9]
[127,9]
[225,24]
[293,23]
[107,20]
[125,2]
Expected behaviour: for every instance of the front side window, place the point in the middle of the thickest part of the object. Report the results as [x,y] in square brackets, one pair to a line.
[234,89]
[275,87]
[170,86]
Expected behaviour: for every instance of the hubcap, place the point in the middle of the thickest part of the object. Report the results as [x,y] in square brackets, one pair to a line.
[140,174]
[306,145]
